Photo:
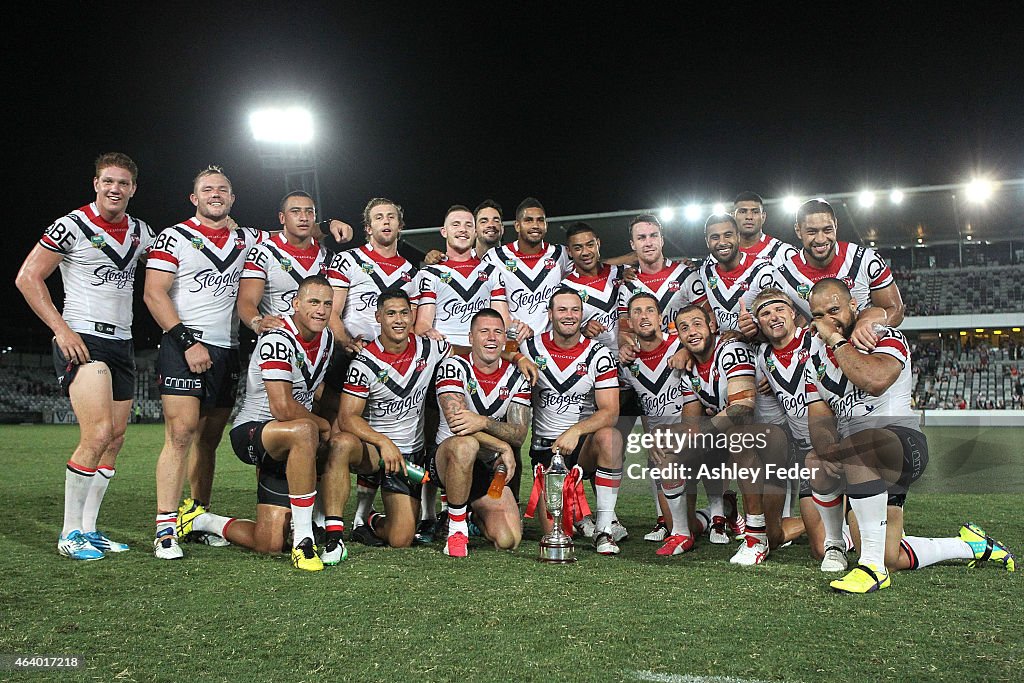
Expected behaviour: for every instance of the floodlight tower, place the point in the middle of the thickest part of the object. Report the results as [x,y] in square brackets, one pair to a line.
[284,134]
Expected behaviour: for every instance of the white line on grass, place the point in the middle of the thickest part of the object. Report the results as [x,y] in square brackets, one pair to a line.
[687,678]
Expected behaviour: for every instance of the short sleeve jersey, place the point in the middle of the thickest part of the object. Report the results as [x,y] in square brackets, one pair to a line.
[530,279]
[771,249]
[708,382]
[725,289]
[282,355]
[675,287]
[861,268]
[565,392]
[785,370]
[282,267]
[395,387]
[98,269]
[457,290]
[489,395]
[365,274]
[207,265]
[854,408]
[600,294]
[659,387]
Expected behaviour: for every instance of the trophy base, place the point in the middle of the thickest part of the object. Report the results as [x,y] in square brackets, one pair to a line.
[557,551]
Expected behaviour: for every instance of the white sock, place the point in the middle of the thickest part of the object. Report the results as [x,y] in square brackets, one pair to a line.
[366,491]
[95,498]
[756,527]
[211,523]
[703,520]
[302,516]
[606,490]
[928,551]
[77,483]
[657,485]
[830,507]
[319,518]
[676,497]
[871,517]
[716,503]
[457,519]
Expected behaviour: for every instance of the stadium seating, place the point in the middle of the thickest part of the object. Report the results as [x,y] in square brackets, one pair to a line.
[950,291]
[977,378]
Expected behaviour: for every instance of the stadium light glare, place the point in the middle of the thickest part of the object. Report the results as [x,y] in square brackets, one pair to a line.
[1016,329]
[692,212]
[667,213]
[969,238]
[979,329]
[790,204]
[866,199]
[997,332]
[979,190]
[920,240]
[963,333]
[719,207]
[292,125]
[896,196]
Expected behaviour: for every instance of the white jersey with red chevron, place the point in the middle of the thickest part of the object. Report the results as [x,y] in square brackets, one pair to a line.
[458,289]
[725,289]
[861,268]
[659,387]
[569,380]
[282,267]
[771,249]
[365,274]
[708,382]
[600,294]
[530,279]
[395,387]
[282,355]
[98,269]
[485,394]
[785,371]
[675,287]
[207,265]
[854,408]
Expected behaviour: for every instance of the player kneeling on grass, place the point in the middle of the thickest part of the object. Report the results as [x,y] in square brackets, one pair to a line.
[864,431]
[276,431]
[485,412]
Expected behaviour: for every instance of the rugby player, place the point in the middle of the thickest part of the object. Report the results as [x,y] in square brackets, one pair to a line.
[489,228]
[97,249]
[748,210]
[277,432]
[575,408]
[863,428]
[485,413]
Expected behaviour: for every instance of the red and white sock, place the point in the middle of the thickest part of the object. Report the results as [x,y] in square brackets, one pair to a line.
[77,482]
[927,551]
[334,526]
[302,516]
[606,491]
[457,523]
[211,523]
[366,491]
[756,527]
[830,507]
[167,523]
[94,500]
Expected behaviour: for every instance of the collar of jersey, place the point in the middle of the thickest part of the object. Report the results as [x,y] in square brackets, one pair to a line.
[280,240]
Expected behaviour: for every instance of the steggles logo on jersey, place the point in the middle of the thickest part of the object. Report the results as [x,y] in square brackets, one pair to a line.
[97,241]
[197,243]
[803,290]
[510,266]
[220,283]
[109,274]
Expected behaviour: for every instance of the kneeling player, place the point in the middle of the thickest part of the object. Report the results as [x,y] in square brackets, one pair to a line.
[485,412]
[878,448]
[276,431]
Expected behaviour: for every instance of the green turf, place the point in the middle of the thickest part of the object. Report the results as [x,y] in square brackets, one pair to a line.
[228,615]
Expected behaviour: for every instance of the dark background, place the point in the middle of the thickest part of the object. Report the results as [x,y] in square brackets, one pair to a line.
[435,104]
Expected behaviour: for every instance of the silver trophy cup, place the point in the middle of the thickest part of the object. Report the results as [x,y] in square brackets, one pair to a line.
[556,546]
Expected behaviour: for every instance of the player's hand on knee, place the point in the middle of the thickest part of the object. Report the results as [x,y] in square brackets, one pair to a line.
[198,358]
[71,345]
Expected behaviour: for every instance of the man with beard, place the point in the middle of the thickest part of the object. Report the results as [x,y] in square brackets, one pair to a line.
[489,228]
[575,408]
[864,431]
[863,271]
[748,210]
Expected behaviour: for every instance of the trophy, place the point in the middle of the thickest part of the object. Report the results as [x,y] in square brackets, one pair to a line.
[556,546]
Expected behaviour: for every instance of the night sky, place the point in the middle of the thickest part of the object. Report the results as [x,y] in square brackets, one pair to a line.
[442,103]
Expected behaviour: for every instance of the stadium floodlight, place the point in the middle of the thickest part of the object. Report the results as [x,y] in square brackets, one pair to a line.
[692,212]
[866,199]
[667,213]
[790,204]
[970,237]
[896,196]
[979,190]
[290,125]
[718,208]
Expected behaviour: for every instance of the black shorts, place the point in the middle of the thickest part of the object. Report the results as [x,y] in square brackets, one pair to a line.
[271,474]
[337,368]
[214,388]
[483,474]
[799,461]
[915,460]
[540,452]
[629,409]
[118,354]
[399,483]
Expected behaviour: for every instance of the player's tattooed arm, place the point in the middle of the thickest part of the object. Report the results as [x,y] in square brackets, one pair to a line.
[513,431]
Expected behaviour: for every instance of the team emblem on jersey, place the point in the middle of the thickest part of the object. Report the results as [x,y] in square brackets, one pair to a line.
[695,383]
[821,371]
[745,286]
[135,240]
[286,265]
[382,376]
[770,364]
[471,385]
[803,290]
[803,356]
[848,281]
[510,266]
[482,277]
[581,369]
[541,362]
[549,263]
[584,296]
[299,361]
[421,365]
[446,277]
[367,267]
[98,242]
[504,393]
[635,369]
[673,286]
[239,243]
[712,281]
[406,277]
[197,243]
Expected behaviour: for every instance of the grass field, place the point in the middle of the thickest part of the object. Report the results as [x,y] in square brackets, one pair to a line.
[224,614]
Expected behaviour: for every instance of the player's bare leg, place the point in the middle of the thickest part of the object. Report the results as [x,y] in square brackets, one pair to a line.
[499,520]
[203,460]
[602,454]
[181,421]
[455,458]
